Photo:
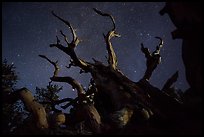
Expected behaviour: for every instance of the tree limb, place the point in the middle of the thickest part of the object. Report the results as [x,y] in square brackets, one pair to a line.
[159,46]
[36,109]
[65,37]
[56,102]
[75,85]
[75,40]
[145,51]
[76,61]
[53,63]
[112,59]
[170,81]
[72,102]
[106,14]
[69,50]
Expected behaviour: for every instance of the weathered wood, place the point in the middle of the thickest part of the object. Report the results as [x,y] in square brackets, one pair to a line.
[116,95]
[112,59]
[36,109]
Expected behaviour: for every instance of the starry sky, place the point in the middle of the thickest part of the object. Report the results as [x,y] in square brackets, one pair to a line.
[28,29]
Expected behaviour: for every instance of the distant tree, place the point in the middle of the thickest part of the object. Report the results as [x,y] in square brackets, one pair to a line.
[12,113]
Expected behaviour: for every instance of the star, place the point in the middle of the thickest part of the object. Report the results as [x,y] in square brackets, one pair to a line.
[136,22]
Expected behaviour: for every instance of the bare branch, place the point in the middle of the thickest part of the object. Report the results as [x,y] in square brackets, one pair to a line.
[75,40]
[63,100]
[145,51]
[96,61]
[58,41]
[112,59]
[161,42]
[170,81]
[69,50]
[76,61]
[72,82]
[88,93]
[106,14]
[57,102]
[68,80]
[53,63]
[72,102]
[65,37]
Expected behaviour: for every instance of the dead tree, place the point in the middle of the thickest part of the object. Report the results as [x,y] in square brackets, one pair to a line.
[116,97]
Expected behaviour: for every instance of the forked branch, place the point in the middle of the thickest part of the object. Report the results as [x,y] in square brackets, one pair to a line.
[69,80]
[53,63]
[69,50]
[145,51]
[75,40]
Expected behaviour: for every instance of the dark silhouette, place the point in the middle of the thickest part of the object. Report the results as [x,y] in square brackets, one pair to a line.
[153,59]
[188,19]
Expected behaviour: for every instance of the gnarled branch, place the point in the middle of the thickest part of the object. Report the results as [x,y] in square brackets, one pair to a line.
[89,92]
[75,85]
[53,63]
[72,102]
[159,46]
[57,102]
[75,40]
[145,51]
[65,37]
[161,41]
[112,59]
[153,59]
[69,50]
[170,81]
[106,14]
[68,80]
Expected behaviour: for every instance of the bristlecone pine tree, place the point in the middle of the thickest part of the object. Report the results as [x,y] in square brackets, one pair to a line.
[117,101]
[112,101]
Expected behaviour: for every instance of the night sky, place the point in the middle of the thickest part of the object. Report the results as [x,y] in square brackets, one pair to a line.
[29,28]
